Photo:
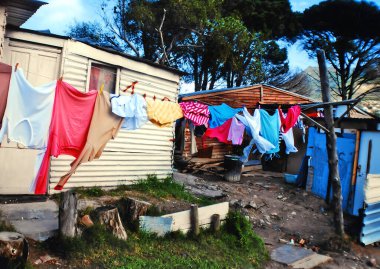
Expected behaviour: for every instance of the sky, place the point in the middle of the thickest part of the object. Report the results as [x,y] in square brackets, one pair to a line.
[58,15]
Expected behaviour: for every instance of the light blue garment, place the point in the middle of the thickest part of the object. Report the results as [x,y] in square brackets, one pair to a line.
[288,138]
[28,113]
[254,125]
[220,114]
[270,129]
[132,108]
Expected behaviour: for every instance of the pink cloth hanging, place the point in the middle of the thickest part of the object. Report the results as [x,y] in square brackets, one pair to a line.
[72,113]
[291,118]
[236,132]
[198,113]
[220,132]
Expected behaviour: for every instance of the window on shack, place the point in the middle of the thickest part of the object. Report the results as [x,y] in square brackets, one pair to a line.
[103,74]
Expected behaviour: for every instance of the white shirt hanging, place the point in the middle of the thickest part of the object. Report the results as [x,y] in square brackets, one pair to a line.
[28,113]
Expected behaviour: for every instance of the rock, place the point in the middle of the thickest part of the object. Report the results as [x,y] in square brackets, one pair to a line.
[294,213]
[86,221]
[372,262]
[251,204]
[280,196]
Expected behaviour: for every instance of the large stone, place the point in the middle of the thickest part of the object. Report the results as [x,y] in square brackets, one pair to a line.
[36,220]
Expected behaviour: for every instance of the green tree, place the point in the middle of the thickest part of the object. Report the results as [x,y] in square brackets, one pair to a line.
[217,42]
[349,33]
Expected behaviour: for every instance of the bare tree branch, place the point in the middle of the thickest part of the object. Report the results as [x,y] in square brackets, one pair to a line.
[164,56]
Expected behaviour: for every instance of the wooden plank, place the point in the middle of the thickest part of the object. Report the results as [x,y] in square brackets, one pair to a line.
[311,261]
[181,220]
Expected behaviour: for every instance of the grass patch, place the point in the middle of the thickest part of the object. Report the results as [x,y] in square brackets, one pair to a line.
[99,249]
[152,186]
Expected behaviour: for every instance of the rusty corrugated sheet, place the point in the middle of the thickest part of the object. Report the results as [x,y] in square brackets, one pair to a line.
[249,96]
[19,11]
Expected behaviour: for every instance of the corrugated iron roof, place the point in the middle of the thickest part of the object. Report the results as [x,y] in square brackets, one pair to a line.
[249,96]
[19,11]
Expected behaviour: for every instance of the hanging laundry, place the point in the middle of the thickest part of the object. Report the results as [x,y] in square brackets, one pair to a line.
[236,132]
[72,114]
[28,113]
[197,112]
[270,129]
[244,121]
[5,77]
[220,132]
[200,130]
[290,119]
[193,142]
[104,126]
[220,114]
[132,108]
[288,138]
[163,113]
[254,126]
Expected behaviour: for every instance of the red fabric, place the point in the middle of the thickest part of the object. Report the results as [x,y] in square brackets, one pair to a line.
[72,113]
[5,76]
[220,132]
[291,118]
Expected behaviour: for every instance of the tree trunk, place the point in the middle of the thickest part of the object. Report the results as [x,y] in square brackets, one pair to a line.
[130,211]
[68,214]
[14,250]
[109,217]
[331,148]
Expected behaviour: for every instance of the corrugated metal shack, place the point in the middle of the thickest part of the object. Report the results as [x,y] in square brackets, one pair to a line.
[133,154]
[358,141]
[251,97]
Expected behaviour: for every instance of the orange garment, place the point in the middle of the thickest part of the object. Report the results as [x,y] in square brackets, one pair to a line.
[163,113]
[104,126]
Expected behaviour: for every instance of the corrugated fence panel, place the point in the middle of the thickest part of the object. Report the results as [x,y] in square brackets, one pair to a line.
[371,224]
[372,189]
[133,154]
[75,71]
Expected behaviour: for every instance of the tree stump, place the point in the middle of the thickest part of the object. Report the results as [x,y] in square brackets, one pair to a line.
[109,217]
[14,250]
[130,211]
[68,214]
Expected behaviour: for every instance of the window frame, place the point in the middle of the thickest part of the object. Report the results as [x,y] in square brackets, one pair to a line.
[117,68]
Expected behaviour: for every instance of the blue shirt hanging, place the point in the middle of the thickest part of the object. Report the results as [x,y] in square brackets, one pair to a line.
[220,114]
[270,129]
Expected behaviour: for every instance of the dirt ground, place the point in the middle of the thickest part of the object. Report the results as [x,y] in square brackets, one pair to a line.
[281,212]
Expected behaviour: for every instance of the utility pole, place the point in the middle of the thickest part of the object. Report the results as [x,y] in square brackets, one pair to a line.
[334,179]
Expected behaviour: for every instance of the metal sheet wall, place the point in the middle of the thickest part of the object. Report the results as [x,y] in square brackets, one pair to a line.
[133,154]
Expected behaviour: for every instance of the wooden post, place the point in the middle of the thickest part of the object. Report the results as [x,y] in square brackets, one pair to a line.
[68,214]
[215,223]
[194,219]
[331,148]
[14,250]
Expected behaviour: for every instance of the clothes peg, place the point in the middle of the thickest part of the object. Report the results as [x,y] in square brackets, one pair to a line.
[165,98]
[154,98]
[101,88]
[144,95]
[16,66]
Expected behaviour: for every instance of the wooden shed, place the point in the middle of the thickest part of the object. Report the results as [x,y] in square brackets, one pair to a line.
[249,96]
[133,154]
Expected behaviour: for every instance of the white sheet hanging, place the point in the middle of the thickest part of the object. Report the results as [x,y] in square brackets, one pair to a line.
[28,113]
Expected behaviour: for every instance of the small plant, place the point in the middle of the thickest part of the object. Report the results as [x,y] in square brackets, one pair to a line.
[91,192]
[239,226]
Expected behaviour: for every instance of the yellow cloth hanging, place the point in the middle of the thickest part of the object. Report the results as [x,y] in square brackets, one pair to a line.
[163,113]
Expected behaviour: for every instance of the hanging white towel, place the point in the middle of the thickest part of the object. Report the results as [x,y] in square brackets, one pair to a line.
[288,138]
[28,113]
[254,124]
